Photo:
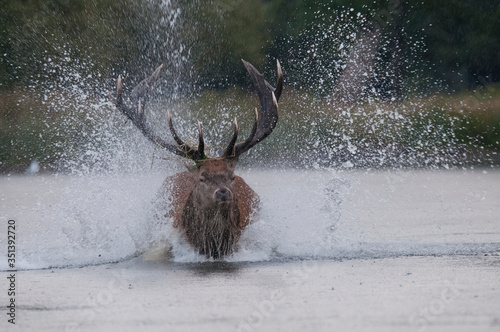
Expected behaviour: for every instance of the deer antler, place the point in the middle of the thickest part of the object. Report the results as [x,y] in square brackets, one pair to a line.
[269,109]
[139,97]
[262,128]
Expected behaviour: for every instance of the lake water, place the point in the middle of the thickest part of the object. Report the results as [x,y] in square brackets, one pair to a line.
[362,250]
[66,221]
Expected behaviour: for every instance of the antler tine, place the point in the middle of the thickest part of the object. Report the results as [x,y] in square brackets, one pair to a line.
[119,98]
[139,110]
[279,81]
[254,129]
[201,143]
[141,91]
[119,88]
[230,151]
[174,133]
[184,149]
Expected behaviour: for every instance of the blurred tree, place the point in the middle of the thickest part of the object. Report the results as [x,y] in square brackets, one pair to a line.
[40,41]
[39,38]
[221,32]
[462,39]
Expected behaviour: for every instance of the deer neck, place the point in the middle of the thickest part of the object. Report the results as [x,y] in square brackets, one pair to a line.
[212,229]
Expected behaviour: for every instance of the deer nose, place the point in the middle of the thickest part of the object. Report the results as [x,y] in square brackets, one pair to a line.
[223,195]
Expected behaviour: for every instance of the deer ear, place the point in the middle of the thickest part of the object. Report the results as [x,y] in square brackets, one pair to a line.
[231,163]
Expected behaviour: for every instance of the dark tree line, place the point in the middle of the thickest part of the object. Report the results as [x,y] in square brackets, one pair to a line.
[456,42]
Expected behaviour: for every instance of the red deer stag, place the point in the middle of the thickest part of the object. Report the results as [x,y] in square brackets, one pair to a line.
[210,204]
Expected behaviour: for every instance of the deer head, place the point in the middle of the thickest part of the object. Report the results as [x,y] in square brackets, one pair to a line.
[211,204]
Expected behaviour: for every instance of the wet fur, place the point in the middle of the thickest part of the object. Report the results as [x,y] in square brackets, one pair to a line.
[212,230]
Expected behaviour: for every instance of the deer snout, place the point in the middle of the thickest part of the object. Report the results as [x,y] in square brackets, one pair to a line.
[223,195]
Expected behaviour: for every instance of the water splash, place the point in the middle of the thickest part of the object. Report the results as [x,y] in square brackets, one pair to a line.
[106,210]
[77,221]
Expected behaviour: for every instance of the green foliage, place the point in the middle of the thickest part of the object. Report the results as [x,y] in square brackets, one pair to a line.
[48,47]
[41,39]
[462,39]
[482,130]
[28,132]
[220,33]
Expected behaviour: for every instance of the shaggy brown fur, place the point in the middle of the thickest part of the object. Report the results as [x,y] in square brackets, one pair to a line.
[211,227]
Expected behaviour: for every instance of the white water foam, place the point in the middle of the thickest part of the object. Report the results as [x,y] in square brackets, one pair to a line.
[68,221]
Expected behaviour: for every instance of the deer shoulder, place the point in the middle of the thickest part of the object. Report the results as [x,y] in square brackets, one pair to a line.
[248,201]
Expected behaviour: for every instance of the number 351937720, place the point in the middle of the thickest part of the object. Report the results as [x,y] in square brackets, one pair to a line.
[11,243]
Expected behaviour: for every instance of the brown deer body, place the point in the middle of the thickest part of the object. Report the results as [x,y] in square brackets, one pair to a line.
[209,203]
[211,213]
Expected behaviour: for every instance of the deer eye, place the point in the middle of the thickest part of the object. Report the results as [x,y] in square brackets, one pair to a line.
[202,179]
